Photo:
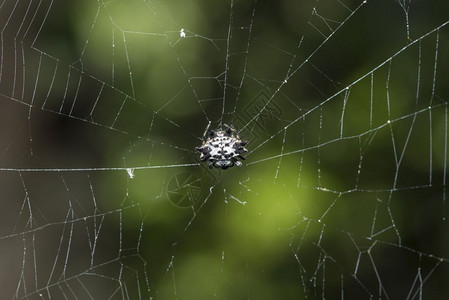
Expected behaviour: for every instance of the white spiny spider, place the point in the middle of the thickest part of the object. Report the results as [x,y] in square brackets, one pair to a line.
[222,147]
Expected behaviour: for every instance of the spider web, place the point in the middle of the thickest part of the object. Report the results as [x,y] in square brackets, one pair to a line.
[343,193]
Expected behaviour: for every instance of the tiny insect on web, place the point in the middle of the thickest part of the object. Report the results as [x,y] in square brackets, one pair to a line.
[222,148]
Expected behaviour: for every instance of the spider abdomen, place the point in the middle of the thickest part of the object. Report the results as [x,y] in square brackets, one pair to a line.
[222,148]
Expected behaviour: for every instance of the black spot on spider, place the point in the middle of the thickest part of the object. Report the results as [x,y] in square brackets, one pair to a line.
[212,133]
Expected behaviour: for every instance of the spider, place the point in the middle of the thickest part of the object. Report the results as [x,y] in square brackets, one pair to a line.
[222,147]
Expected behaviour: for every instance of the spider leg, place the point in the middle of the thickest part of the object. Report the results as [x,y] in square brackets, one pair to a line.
[210,164]
[206,131]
